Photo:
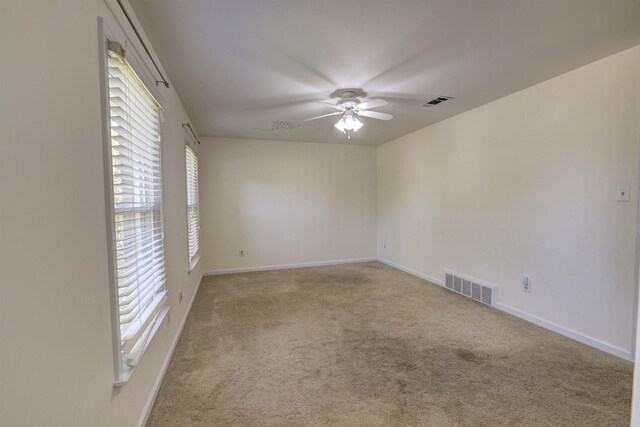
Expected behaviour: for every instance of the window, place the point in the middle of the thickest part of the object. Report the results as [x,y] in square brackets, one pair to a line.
[193,215]
[137,230]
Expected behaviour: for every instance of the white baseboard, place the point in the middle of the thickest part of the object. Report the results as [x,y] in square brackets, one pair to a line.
[286,266]
[412,272]
[146,410]
[570,333]
[580,337]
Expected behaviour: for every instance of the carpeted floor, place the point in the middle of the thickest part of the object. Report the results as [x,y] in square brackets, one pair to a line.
[368,345]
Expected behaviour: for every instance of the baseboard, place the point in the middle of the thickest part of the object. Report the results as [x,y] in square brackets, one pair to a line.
[585,339]
[286,266]
[570,333]
[146,410]
[412,272]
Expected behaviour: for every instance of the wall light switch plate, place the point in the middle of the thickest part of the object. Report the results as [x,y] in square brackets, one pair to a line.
[623,193]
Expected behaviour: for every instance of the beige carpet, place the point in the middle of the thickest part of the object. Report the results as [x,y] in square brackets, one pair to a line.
[368,345]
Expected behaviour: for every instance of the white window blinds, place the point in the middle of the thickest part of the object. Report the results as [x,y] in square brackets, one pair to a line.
[193,215]
[137,205]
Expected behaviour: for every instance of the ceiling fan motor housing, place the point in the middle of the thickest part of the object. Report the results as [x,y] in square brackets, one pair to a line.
[348,100]
[348,103]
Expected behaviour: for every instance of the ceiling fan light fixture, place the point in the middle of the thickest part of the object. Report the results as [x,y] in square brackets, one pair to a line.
[352,123]
[348,122]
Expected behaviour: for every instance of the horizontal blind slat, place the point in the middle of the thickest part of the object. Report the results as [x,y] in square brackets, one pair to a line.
[137,328]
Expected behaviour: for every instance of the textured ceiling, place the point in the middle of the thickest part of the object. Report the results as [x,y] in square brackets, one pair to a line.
[257,68]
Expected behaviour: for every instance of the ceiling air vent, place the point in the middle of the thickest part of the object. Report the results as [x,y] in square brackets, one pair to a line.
[280,125]
[436,101]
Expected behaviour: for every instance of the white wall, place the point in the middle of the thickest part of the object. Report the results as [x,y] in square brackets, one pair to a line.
[56,361]
[527,185]
[285,202]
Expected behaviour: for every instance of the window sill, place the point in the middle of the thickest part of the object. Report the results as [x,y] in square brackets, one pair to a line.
[194,263]
[126,370]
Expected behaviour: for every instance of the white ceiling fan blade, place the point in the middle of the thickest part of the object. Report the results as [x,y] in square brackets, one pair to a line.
[332,104]
[375,115]
[371,104]
[324,115]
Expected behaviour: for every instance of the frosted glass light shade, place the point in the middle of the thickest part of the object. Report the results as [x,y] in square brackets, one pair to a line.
[348,122]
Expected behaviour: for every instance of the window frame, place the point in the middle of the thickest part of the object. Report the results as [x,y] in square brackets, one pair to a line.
[122,371]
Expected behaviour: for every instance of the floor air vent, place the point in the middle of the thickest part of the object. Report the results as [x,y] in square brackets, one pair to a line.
[468,286]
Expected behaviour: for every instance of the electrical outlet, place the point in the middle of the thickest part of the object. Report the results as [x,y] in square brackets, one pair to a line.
[526,284]
[241,252]
[180,298]
[386,245]
[623,193]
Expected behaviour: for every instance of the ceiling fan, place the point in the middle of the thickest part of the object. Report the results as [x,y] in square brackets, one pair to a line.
[350,108]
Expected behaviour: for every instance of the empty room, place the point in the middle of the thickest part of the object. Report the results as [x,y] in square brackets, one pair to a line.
[319,213]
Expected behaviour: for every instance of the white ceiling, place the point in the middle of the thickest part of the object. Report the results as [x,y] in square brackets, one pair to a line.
[240,65]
